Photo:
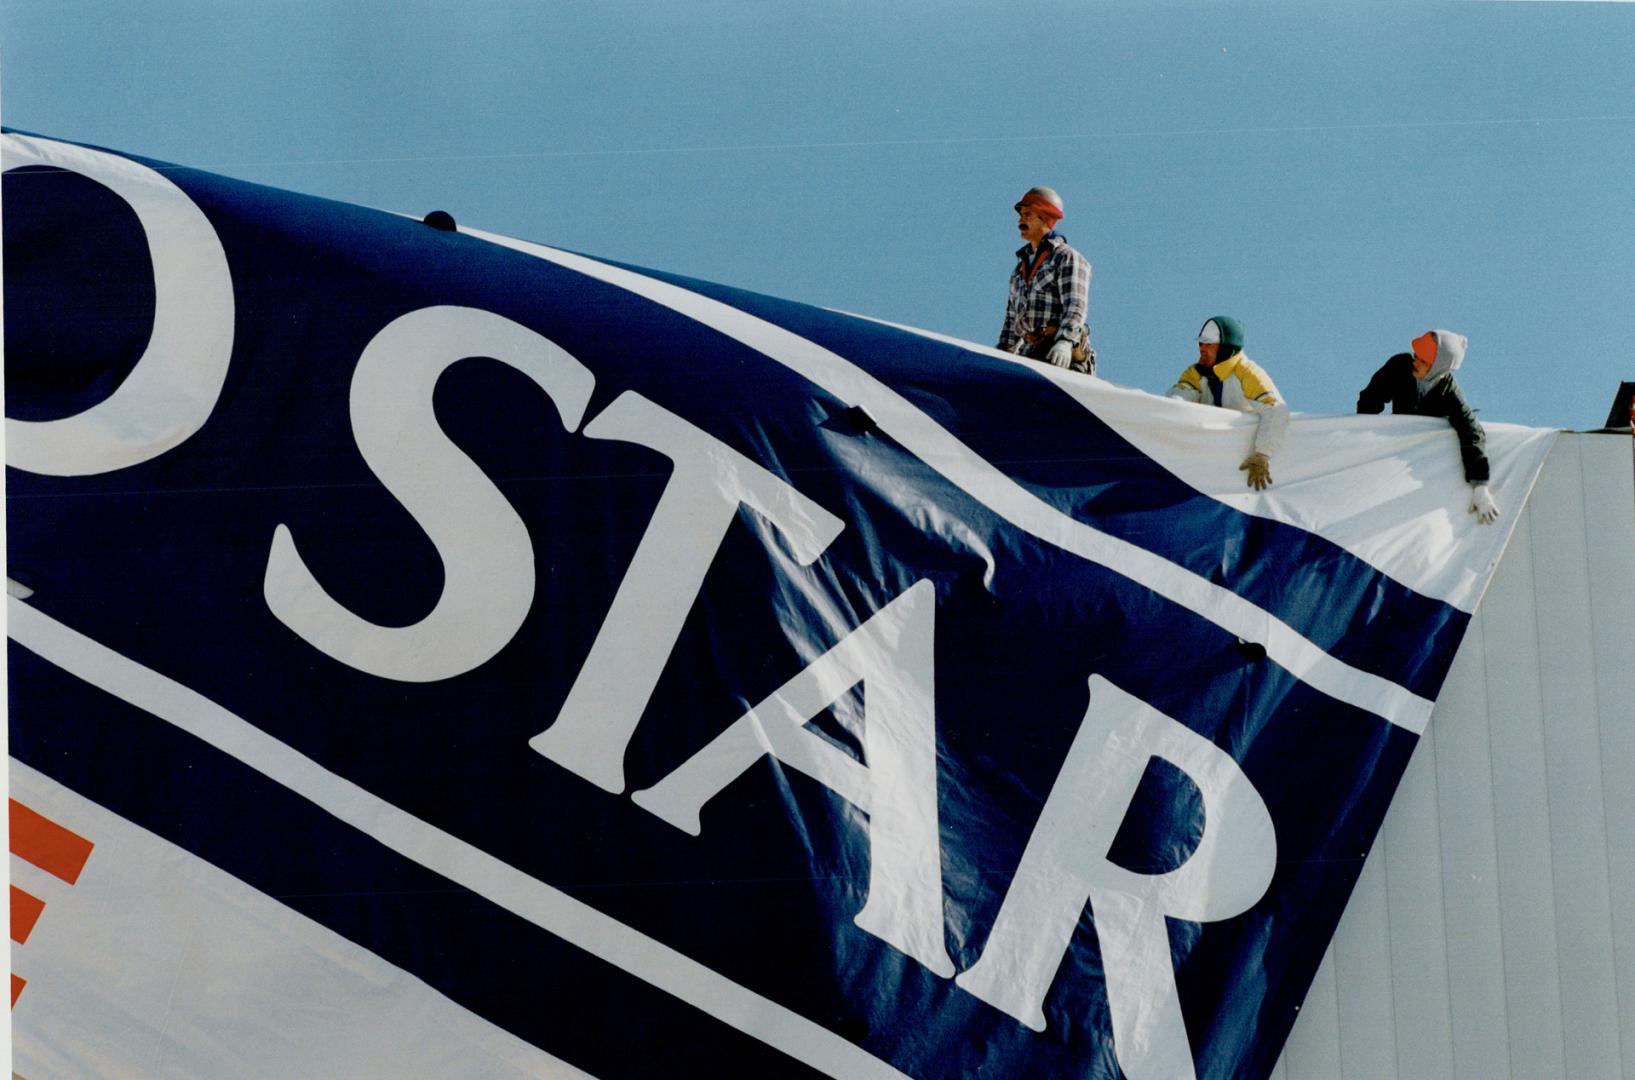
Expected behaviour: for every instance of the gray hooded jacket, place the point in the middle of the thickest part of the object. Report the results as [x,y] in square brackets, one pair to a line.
[1437,394]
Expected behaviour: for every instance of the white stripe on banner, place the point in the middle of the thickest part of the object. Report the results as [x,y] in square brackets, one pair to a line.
[968,470]
[441,852]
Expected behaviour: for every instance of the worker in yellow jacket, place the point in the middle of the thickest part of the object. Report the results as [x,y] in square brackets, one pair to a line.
[1224,376]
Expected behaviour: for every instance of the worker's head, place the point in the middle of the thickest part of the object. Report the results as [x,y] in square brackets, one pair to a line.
[1220,339]
[1436,353]
[1037,213]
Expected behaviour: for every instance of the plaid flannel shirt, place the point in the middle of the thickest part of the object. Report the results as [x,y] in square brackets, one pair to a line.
[1057,294]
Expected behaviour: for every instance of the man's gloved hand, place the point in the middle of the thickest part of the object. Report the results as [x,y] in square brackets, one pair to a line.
[1061,354]
[1482,504]
[1259,468]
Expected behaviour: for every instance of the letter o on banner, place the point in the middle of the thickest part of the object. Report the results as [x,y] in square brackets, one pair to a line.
[173,388]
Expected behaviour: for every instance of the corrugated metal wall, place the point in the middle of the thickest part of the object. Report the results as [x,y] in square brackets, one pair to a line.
[1492,933]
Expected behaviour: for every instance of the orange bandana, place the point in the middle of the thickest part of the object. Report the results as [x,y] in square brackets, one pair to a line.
[1425,347]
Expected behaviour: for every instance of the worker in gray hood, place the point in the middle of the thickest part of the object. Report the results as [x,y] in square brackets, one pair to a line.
[1421,383]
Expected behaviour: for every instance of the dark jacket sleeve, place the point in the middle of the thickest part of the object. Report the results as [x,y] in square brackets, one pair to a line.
[1379,391]
[1472,439]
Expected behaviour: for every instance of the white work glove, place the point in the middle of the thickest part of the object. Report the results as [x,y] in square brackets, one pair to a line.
[1482,504]
[1061,353]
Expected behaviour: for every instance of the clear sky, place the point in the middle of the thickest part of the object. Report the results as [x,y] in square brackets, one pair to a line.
[1339,176]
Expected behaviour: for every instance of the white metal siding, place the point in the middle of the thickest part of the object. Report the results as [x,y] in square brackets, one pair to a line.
[1492,933]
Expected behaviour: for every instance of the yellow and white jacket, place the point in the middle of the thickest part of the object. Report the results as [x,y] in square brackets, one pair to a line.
[1242,385]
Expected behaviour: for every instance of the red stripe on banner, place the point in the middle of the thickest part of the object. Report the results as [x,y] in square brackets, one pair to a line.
[46,844]
[17,984]
[25,912]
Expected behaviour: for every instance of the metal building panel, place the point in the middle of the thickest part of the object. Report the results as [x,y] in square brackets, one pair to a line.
[1362,977]
[1527,909]
[1572,757]
[1609,519]
[1470,869]
[1413,888]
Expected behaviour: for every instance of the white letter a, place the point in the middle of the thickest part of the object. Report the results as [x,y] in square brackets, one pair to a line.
[891,654]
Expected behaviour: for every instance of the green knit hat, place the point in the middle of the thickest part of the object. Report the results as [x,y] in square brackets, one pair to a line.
[1225,330]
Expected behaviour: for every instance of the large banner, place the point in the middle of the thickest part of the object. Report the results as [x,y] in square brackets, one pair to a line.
[438,654]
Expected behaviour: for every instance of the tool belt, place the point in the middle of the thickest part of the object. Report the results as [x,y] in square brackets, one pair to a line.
[1082,352]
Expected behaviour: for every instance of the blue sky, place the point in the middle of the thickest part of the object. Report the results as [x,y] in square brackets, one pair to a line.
[1339,176]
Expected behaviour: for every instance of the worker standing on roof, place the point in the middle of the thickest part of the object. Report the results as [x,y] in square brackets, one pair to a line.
[1050,290]
[1224,376]
[1421,383]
